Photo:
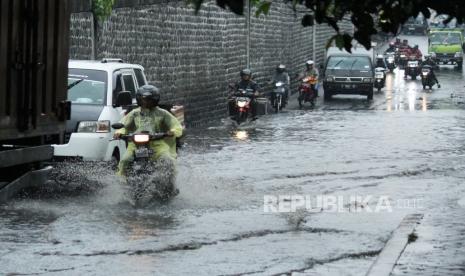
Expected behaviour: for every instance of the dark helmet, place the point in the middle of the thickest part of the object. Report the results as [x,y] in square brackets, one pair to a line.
[415,46]
[405,41]
[149,92]
[398,40]
[246,72]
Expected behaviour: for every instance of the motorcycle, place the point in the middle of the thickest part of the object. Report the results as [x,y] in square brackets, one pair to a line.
[379,78]
[242,99]
[278,100]
[390,62]
[306,92]
[427,77]
[142,184]
[412,69]
[402,60]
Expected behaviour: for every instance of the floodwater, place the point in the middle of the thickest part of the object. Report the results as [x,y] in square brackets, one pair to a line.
[407,145]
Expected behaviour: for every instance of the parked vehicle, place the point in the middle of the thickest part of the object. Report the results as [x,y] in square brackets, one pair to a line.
[446,46]
[412,69]
[241,108]
[33,106]
[427,77]
[93,87]
[143,188]
[307,91]
[348,74]
[380,78]
[278,98]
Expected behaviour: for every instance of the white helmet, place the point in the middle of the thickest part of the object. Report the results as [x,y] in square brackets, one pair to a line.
[309,62]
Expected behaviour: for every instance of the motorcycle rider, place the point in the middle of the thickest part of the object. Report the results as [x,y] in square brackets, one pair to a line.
[246,82]
[391,48]
[149,117]
[430,62]
[281,76]
[415,51]
[310,71]
[397,43]
[380,62]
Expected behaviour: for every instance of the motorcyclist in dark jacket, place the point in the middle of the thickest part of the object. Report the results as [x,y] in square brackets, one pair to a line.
[392,48]
[281,75]
[246,82]
[430,62]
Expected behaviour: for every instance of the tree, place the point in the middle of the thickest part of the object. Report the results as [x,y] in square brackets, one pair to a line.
[368,16]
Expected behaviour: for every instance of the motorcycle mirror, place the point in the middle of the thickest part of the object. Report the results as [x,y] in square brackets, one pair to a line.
[117,126]
[123,98]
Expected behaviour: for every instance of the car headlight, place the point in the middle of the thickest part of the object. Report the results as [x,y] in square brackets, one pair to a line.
[94,127]
[367,80]
[241,104]
[329,78]
[458,54]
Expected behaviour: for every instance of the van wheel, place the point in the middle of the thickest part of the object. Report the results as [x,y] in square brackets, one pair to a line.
[370,96]
[115,159]
[328,95]
[459,65]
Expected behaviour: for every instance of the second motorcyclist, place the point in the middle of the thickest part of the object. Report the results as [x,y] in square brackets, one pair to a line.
[245,83]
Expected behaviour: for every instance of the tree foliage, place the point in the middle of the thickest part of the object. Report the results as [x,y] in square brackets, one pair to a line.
[102,8]
[368,16]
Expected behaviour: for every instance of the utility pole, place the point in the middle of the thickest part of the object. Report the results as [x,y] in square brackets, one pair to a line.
[248,31]
[314,43]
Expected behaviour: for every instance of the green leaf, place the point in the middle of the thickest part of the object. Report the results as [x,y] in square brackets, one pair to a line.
[263,7]
[330,41]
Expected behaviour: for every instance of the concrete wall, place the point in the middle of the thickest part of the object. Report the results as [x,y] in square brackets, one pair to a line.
[192,58]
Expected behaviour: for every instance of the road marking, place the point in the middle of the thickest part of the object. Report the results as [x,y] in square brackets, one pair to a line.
[395,246]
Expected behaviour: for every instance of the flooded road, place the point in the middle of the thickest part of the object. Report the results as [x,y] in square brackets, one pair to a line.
[407,144]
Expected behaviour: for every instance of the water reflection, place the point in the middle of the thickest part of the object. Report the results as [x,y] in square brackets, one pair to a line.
[241,135]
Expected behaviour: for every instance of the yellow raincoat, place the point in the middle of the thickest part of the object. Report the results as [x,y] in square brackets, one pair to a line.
[155,120]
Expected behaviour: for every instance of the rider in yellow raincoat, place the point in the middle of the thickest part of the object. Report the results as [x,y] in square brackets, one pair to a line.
[149,117]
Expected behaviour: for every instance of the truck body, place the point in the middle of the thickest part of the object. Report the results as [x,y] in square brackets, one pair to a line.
[446,46]
[33,106]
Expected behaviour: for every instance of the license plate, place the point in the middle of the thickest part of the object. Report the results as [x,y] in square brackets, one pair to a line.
[348,86]
[143,152]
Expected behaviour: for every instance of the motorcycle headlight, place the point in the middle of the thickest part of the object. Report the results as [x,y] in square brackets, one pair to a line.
[279,84]
[330,78]
[458,54]
[367,80]
[424,73]
[403,56]
[94,127]
[141,138]
[241,103]
[390,59]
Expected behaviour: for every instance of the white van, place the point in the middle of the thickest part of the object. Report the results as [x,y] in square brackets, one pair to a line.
[93,87]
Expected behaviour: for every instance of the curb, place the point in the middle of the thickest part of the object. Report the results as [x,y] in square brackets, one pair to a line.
[394,247]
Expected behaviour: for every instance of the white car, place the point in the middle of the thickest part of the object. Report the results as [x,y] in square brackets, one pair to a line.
[92,89]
